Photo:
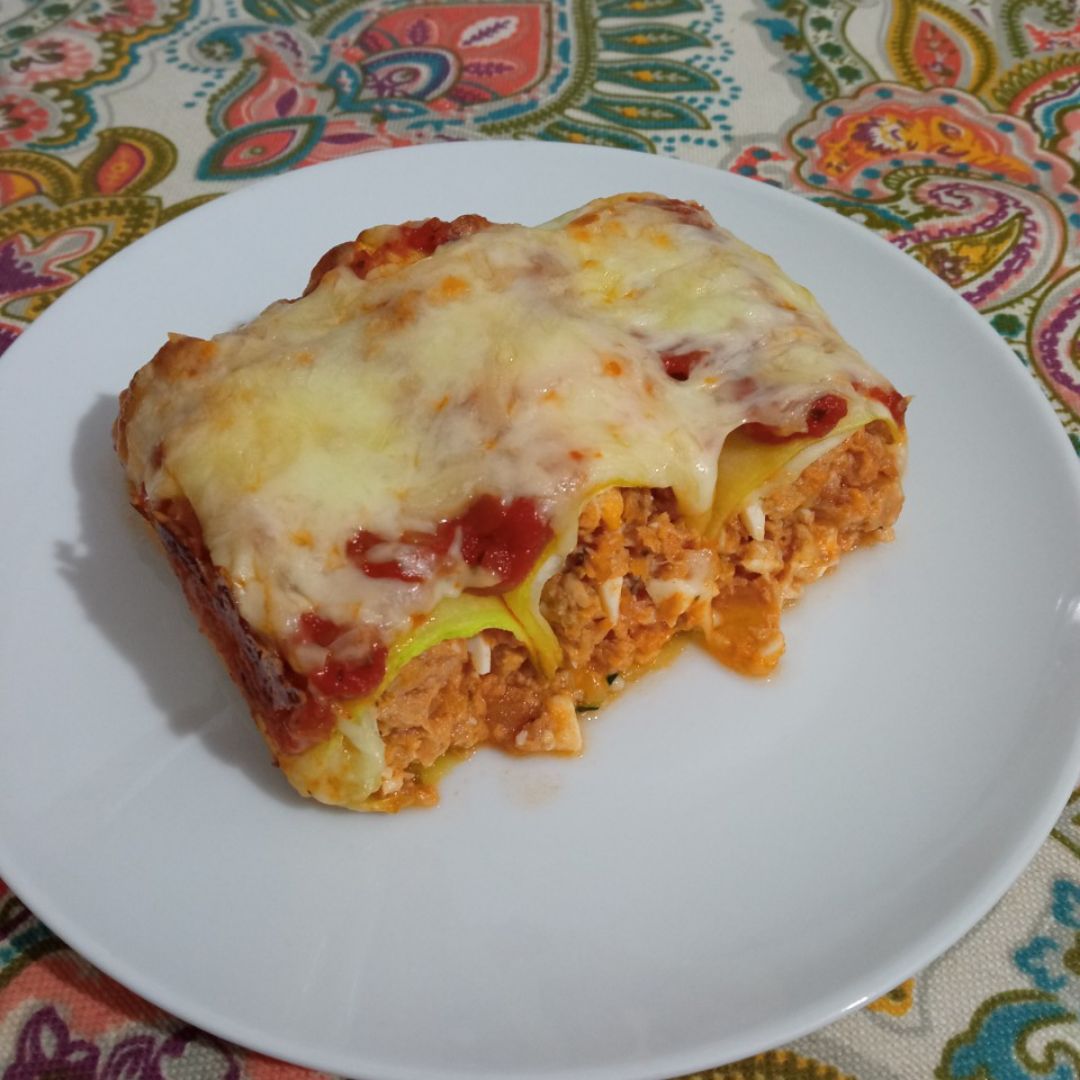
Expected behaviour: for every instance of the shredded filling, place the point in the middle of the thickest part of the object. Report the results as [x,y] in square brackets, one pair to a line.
[640,575]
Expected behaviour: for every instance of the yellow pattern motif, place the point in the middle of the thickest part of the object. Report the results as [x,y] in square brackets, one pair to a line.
[897,1002]
[962,259]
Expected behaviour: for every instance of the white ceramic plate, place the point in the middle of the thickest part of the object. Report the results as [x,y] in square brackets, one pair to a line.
[731,864]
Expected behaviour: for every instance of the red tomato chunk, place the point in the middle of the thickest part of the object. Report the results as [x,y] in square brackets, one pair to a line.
[350,679]
[502,538]
[319,631]
[679,365]
[822,416]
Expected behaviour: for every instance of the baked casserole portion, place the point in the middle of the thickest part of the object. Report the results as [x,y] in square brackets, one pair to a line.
[478,475]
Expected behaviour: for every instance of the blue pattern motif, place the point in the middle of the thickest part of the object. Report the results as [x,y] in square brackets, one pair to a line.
[995,1046]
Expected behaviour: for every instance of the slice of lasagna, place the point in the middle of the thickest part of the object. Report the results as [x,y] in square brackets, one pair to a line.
[478,474]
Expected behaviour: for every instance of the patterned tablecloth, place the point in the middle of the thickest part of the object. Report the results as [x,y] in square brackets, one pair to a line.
[952,127]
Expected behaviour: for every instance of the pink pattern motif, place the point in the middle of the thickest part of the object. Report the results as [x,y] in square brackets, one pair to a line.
[61,55]
[22,117]
[1043,40]
[498,48]
[1056,337]
[956,243]
[282,114]
[26,269]
[111,16]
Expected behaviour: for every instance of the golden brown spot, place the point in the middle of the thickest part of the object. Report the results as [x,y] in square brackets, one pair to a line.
[184,357]
[577,455]
[612,367]
[659,237]
[395,313]
[452,287]
[303,538]
[305,358]
[550,394]
[442,403]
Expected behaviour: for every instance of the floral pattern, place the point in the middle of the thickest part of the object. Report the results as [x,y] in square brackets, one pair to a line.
[300,88]
[22,118]
[959,146]
[58,222]
[950,127]
[58,53]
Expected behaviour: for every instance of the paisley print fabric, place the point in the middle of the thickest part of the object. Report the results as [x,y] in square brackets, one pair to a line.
[949,127]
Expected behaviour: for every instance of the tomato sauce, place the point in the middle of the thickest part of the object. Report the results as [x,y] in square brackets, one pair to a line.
[344,679]
[892,399]
[503,538]
[822,416]
[424,551]
[687,211]
[417,238]
[679,365]
[317,630]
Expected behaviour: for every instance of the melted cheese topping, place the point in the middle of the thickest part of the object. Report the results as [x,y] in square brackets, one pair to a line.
[516,362]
